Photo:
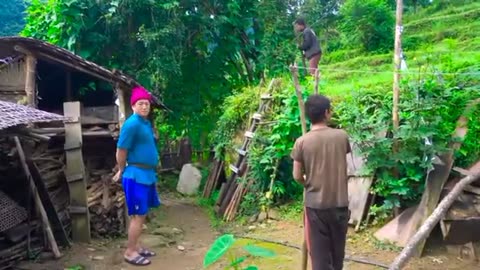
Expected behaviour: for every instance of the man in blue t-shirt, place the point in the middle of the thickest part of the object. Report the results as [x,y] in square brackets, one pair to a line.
[137,158]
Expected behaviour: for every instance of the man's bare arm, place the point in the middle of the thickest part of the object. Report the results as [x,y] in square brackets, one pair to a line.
[121,157]
[298,172]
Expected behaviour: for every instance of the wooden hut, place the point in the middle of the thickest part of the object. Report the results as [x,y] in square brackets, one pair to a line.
[94,101]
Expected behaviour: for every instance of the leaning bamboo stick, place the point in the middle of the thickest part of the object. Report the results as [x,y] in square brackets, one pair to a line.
[235,203]
[301,106]
[231,204]
[38,201]
[217,176]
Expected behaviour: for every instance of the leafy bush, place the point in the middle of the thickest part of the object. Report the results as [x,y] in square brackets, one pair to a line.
[236,109]
[429,110]
[369,23]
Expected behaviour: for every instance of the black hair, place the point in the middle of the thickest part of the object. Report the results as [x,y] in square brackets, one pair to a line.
[300,21]
[316,108]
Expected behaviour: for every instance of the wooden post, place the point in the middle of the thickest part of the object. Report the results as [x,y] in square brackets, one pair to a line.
[122,116]
[75,173]
[427,227]
[30,80]
[122,112]
[397,63]
[38,202]
[317,80]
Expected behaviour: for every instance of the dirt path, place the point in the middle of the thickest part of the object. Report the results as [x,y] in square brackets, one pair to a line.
[179,222]
[175,214]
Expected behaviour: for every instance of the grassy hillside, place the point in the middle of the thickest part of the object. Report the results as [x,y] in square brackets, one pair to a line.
[442,53]
[447,40]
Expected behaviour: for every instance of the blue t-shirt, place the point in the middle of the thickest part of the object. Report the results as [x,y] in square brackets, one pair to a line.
[136,136]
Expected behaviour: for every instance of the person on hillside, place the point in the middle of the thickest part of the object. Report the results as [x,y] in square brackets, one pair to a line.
[310,46]
[137,158]
[320,165]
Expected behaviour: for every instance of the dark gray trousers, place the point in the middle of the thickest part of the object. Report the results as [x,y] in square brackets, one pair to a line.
[326,234]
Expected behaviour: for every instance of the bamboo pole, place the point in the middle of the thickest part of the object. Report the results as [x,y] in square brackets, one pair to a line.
[30,80]
[397,63]
[122,105]
[427,227]
[317,80]
[301,106]
[38,202]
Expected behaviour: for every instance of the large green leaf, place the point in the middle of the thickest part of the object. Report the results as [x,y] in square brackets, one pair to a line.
[218,248]
[251,267]
[259,251]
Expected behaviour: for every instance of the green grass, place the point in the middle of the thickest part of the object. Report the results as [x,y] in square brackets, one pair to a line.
[207,205]
[447,40]
[292,211]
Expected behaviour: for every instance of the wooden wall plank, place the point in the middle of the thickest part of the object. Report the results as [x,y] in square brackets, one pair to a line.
[75,173]
[12,82]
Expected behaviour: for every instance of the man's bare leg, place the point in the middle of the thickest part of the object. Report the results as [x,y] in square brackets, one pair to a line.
[134,232]
[313,64]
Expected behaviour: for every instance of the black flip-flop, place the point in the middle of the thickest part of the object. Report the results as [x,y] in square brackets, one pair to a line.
[138,261]
[146,253]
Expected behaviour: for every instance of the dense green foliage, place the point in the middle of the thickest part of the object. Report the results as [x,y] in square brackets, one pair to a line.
[11,17]
[435,91]
[369,23]
[193,53]
[429,112]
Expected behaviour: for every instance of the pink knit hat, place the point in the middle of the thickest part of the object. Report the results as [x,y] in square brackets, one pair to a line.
[138,93]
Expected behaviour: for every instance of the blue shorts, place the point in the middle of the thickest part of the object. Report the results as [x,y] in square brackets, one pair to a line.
[139,197]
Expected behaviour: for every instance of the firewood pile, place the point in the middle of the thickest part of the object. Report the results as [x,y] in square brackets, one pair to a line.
[14,241]
[106,203]
[50,160]
[214,178]
[231,192]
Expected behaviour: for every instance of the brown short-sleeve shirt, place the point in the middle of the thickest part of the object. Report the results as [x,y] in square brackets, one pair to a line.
[323,155]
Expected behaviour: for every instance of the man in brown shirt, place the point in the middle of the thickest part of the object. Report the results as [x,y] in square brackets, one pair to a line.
[320,165]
